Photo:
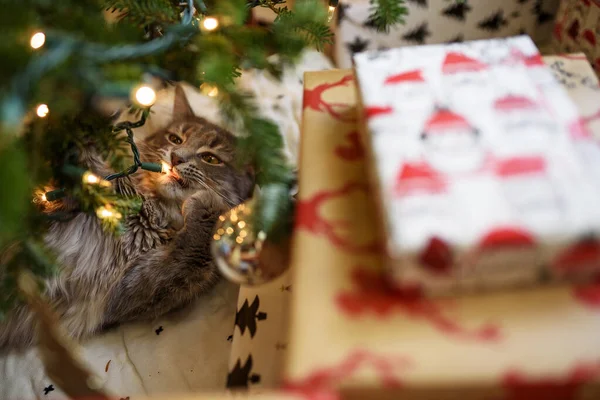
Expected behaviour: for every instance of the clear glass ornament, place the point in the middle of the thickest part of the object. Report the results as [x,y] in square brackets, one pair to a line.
[242,255]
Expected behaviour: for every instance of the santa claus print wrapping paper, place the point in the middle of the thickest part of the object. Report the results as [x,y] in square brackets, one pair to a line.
[350,331]
[475,153]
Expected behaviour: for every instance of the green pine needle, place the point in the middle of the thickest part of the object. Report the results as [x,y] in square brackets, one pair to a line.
[386,13]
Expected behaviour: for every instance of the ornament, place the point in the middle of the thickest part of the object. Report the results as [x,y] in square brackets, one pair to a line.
[242,255]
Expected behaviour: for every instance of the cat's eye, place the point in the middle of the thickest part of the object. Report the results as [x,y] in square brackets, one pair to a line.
[175,139]
[210,159]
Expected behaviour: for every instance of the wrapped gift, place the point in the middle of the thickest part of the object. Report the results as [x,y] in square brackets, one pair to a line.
[350,332]
[479,180]
[441,21]
[577,28]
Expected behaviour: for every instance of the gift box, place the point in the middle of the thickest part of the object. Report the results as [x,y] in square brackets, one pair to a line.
[577,28]
[478,177]
[350,332]
[441,21]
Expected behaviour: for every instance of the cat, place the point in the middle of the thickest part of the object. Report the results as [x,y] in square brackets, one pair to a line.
[162,261]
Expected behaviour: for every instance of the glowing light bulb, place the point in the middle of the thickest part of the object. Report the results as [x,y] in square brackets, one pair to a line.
[210,24]
[43,197]
[330,13]
[166,168]
[209,90]
[37,40]
[88,177]
[241,224]
[42,110]
[105,212]
[145,96]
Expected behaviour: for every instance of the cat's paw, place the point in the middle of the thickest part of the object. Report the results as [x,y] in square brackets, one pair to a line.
[203,206]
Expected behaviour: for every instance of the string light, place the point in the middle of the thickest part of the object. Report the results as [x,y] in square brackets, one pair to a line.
[37,40]
[165,168]
[209,90]
[88,177]
[209,24]
[42,110]
[331,11]
[145,96]
[107,212]
[43,197]
[94,179]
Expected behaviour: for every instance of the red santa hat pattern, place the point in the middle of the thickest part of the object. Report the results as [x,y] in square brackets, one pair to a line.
[517,166]
[419,178]
[534,60]
[515,103]
[444,120]
[505,238]
[413,76]
[458,62]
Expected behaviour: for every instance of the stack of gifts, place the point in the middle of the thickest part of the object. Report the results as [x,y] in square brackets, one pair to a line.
[442,21]
[474,168]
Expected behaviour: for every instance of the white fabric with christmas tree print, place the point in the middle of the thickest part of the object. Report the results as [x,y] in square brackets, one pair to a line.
[491,148]
[442,21]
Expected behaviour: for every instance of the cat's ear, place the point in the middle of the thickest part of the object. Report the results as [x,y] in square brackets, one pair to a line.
[181,106]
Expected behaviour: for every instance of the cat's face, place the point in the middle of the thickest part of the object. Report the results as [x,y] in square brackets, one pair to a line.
[202,157]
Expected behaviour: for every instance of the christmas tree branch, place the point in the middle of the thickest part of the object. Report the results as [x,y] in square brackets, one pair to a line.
[386,13]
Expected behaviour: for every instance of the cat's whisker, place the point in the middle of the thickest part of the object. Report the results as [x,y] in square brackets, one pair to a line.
[201,179]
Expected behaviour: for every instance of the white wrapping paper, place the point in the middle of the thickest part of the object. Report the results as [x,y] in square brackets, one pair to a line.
[476,151]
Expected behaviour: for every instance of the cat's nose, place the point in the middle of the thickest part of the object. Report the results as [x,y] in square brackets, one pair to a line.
[176,160]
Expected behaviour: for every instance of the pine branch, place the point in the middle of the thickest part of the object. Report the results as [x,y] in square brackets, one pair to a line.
[305,26]
[145,12]
[386,13]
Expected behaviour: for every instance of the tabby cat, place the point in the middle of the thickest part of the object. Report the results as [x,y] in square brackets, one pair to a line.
[163,260]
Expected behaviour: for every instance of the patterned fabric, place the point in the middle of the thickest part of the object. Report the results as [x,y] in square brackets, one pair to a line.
[578,28]
[350,329]
[442,21]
